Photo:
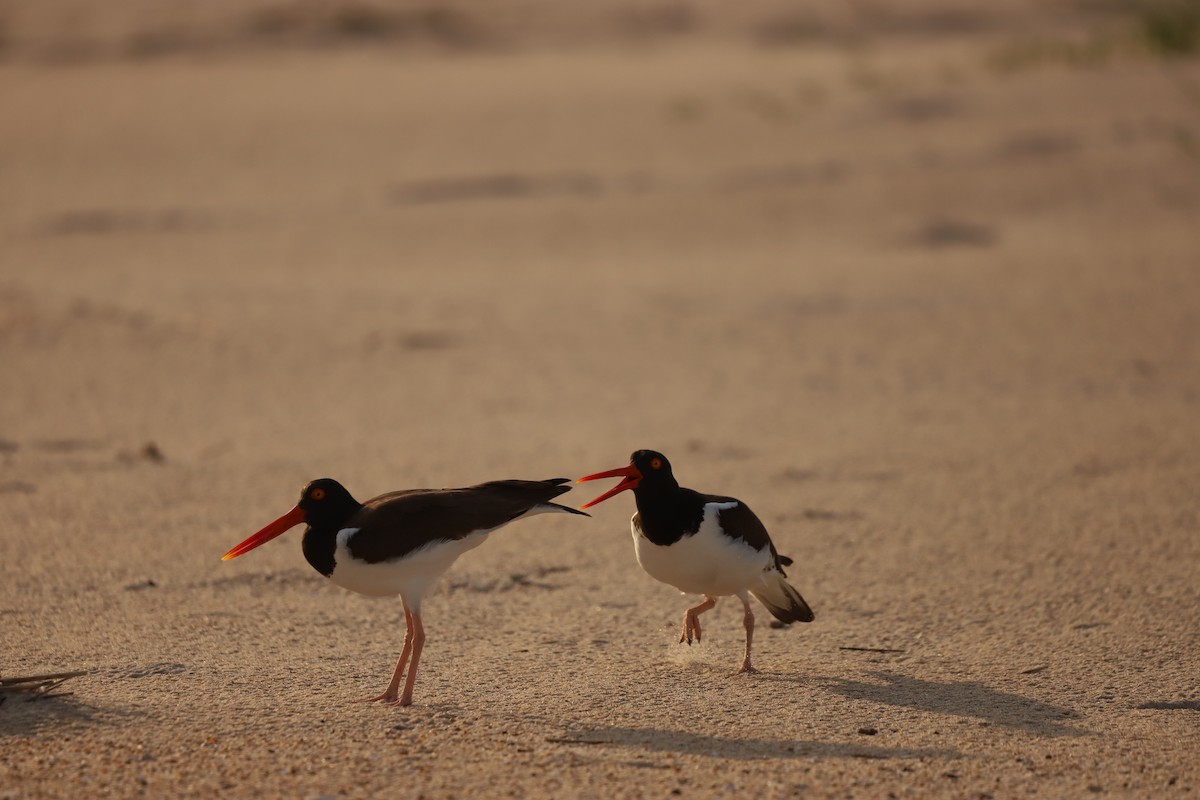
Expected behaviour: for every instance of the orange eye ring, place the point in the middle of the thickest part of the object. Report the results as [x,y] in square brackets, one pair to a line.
[656,463]
[317,494]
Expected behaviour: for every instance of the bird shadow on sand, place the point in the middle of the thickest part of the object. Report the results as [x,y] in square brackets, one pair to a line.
[19,716]
[961,699]
[741,748]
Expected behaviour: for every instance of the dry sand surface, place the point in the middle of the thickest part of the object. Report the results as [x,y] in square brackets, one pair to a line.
[924,291]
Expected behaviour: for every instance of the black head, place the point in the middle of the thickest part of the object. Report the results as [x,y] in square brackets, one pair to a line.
[326,503]
[655,470]
[648,474]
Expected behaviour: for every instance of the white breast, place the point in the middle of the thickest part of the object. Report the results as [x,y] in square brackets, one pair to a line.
[409,576]
[707,562]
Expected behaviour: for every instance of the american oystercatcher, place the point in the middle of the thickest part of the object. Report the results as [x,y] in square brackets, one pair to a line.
[401,542]
[703,544]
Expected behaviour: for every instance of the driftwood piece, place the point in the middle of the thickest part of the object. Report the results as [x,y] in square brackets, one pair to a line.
[38,686]
[50,676]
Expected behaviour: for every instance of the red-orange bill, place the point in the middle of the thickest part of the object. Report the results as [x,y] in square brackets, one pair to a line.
[279,526]
[631,475]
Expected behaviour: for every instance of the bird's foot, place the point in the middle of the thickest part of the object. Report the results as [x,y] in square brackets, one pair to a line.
[746,669]
[390,699]
[387,698]
[691,628]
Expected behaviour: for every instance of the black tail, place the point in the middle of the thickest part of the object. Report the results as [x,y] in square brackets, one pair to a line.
[568,509]
[561,489]
[783,601]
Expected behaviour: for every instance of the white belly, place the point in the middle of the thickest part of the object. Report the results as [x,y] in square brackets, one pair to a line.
[409,576]
[707,562]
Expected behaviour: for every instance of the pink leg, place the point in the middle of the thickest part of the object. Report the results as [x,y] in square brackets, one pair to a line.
[390,695]
[691,619]
[748,622]
[418,645]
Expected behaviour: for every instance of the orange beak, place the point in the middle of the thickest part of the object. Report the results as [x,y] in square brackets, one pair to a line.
[632,477]
[279,526]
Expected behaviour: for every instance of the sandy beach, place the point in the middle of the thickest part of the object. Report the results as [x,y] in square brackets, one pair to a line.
[922,288]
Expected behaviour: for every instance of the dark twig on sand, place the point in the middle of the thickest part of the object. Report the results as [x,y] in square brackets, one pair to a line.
[38,686]
[872,649]
[51,676]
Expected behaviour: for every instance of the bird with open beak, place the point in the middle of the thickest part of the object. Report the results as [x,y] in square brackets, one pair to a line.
[703,544]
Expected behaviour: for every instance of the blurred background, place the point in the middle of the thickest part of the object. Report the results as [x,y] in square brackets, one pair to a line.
[425,243]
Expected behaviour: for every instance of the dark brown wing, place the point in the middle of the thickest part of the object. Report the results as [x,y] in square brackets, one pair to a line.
[395,524]
[739,522]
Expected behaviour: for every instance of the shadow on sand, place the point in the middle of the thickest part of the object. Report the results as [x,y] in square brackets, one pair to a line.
[668,741]
[963,699]
[21,717]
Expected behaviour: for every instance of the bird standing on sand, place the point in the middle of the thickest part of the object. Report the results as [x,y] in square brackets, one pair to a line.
[703,544]
[401,542]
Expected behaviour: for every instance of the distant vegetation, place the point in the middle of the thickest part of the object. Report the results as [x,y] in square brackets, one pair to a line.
[1164,28]
[1171,27]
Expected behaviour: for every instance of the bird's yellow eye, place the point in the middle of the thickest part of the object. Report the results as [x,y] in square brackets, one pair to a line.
[317,494]
[656,463]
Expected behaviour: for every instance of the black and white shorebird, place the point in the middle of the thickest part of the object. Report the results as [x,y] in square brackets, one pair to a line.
[401,542]
[703,544]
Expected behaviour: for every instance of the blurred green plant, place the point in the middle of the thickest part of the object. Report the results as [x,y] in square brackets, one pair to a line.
[1171,27]
[1164,28]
